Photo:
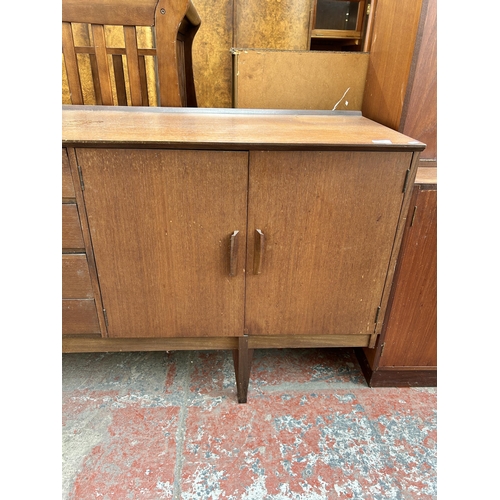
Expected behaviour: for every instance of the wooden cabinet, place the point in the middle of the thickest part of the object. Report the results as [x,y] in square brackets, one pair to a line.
[406,354]
[401,93]
[79,313]
[238,229]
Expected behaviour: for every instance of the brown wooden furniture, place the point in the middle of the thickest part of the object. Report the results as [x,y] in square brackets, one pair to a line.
[401,93]
[235,229]
[79,313]
[287,79]
[406,353]
[129,52]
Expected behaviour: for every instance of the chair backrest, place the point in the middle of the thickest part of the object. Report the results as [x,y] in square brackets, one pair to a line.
[128,52]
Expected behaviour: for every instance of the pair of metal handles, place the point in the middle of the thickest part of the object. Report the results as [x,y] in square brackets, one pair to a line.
[258,253]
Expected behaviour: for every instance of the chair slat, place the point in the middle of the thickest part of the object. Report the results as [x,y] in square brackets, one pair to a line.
[121,91]
[71,63]
[95,79]
[133,65]
[144,80]
[156,38]
[102,64]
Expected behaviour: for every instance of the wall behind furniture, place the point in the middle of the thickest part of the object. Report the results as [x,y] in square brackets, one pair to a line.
[255,24]
[212,53]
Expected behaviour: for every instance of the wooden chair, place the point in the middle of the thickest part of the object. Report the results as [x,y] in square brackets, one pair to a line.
[128,52]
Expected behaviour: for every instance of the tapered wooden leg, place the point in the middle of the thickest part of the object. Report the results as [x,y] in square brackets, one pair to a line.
[242,358]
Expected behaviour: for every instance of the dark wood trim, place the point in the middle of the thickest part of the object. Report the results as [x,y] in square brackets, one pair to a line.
[242,358]
[403,378]
[398,376]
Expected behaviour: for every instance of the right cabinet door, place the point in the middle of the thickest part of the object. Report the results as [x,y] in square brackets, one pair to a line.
[321,229]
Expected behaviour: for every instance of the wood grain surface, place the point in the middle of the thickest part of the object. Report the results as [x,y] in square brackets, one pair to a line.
[232,129]
[79,317]
[212,64]
[419,116]
[260,24]
[413,313]
[72,238]
[76,277]
[68,191]
[329,222]
[394,33]
[161,223]
[285,79]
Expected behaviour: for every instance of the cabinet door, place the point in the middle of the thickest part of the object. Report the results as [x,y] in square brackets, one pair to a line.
[412,319]
[161,224]
[328,221]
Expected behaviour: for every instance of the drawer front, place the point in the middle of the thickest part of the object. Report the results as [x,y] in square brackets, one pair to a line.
[68,191]
[72,238]
[79,317]
[76,282]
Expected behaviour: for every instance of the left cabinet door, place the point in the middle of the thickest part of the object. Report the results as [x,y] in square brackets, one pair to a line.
[163,226]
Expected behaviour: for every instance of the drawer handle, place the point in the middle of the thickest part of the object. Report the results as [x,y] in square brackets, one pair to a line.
[233,254]
[258,253]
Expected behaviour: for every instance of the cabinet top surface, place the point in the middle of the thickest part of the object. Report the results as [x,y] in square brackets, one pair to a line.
[227,128]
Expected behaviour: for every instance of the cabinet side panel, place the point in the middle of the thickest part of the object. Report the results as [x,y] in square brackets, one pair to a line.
[410,338]
[329,221]
[160,223]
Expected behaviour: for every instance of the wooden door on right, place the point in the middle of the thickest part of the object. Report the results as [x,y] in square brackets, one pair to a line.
[321,229]
[410,336]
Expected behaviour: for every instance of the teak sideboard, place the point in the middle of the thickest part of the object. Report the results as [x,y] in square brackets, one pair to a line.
[229,229]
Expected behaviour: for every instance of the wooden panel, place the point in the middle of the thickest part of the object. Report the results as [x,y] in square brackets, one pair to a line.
[79,317]
[426,175]
[419,118]
[228,128]
[68,191]
[297,341]
[121,12]
[211,54]
[394,33]
[72,237]
[411,332]
[329,229]
[401,376]
[102,65]
[416,377]
[70,66]
[134,75]
[260,24]
[93,344]
[76,277]
[160,223]
[299,80]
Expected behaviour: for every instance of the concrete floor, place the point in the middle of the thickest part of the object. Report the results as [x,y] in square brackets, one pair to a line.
[168,426]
